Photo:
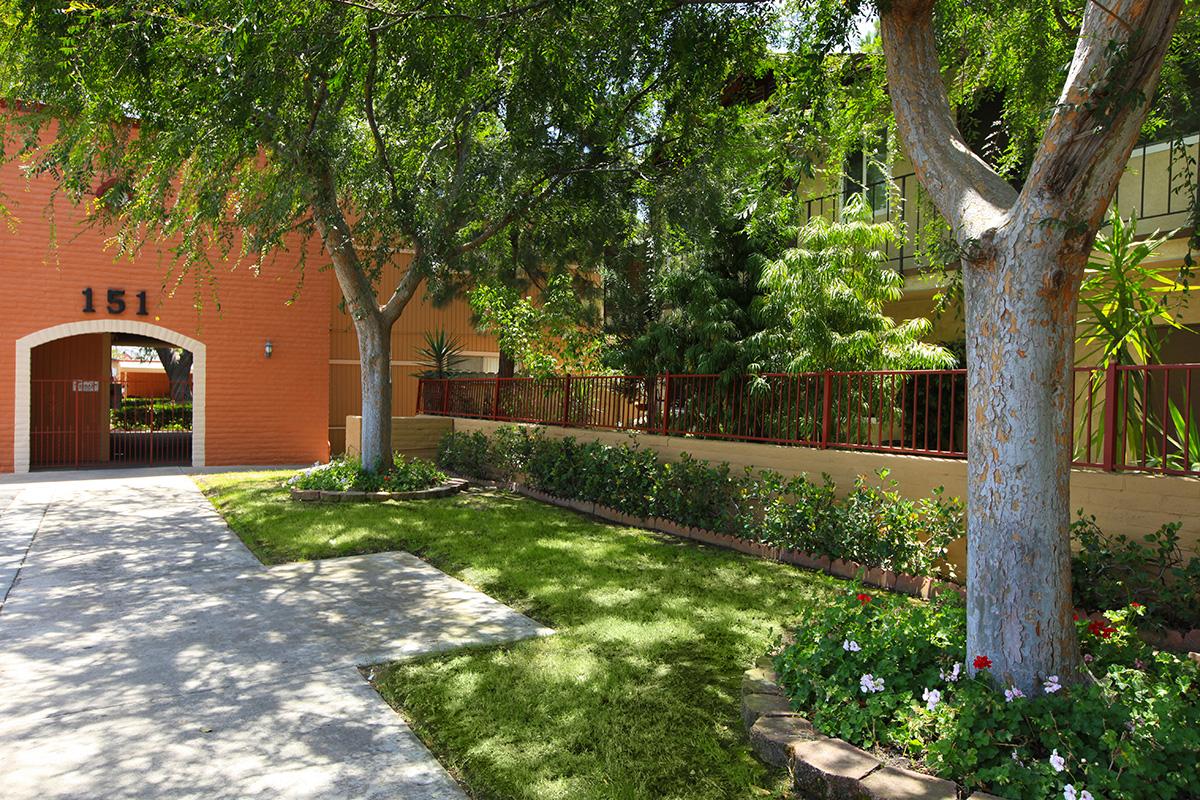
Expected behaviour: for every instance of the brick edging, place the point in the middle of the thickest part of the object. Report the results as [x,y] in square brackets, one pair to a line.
[915,585]
[824,766]
[1185,642]
[452,486]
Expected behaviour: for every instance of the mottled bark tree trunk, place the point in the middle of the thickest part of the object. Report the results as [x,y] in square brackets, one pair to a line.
[1023,257]
[374,360]
[1020,350]
[372,322]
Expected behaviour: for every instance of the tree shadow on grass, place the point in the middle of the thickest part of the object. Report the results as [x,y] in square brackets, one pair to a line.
[636,696]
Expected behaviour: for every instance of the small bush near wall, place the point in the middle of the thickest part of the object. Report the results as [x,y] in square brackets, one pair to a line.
[883,672]
[1114,571]
[874,525]
[347,474]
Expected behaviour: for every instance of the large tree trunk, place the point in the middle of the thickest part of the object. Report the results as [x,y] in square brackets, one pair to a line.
[178,366]
[1020,350]
[1024,258]
[374,359]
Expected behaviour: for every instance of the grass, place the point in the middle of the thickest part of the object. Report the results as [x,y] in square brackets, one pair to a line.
[637,695]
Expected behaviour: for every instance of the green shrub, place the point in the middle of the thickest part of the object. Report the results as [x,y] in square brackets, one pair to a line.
[1114,571]
[874,526]
[878,526]
[347,474]
[866,671]
[465,454]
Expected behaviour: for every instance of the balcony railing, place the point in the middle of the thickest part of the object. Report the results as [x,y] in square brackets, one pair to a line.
[1158,187]
[1142,418]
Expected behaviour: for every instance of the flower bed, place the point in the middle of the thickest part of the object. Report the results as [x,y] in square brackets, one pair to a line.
[346,476]
[888,674]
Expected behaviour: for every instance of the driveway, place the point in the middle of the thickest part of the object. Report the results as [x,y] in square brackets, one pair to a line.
[145,653]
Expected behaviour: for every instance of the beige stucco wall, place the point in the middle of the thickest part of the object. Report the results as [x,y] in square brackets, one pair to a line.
[1129,503]
[415,437]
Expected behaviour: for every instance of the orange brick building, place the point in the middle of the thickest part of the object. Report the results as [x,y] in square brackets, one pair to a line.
[68,302]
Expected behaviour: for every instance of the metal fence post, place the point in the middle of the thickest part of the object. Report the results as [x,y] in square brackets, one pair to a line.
[1108,449]
[445,395]
[666,421]
[496,400]
[826,408]
[420,394]
[566,414]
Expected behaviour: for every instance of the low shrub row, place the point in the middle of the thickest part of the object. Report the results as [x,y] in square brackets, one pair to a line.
[347,474]
[884,672]
[873,525]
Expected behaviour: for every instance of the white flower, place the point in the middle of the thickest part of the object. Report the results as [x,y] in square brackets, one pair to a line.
[1069,793]
[931,697]
[1051,684]
[1012,694]
[1086,795]
[850,646]
[952,675]
[1058,762]
[869,683]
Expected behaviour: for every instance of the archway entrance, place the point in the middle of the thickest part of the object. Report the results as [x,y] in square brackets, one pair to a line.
[109,393]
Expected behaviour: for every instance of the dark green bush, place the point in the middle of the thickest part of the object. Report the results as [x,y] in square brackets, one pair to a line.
[1132,730]
[1114,571]
[347,474]
[466,454]
[874,526]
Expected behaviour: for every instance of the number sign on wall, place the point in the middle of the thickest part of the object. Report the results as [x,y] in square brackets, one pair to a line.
[116,302]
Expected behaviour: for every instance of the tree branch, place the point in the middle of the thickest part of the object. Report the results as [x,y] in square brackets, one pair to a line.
[338,241]
[405,289]
[969,193]
[1099,115]
[518,208]
[369,102]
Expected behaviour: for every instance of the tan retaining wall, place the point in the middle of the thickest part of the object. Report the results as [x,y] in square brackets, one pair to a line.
[416,437]
[1128,503]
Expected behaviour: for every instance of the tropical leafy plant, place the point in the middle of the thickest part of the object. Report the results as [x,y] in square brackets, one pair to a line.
[822,302]
[441,355]
[1127,302]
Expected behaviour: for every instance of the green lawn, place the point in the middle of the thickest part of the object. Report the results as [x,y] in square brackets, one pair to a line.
[636,696]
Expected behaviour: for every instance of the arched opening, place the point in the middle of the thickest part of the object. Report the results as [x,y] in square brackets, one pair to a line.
[109,393]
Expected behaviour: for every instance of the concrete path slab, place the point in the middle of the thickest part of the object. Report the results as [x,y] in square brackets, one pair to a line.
[147,654]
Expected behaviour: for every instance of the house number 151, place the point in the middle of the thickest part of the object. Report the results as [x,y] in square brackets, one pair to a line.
[116,302]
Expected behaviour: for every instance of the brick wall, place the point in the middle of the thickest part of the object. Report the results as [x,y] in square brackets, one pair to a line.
[259,410]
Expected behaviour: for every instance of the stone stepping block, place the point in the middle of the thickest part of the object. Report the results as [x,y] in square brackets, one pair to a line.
[773,737]
[893,783]
[831,768]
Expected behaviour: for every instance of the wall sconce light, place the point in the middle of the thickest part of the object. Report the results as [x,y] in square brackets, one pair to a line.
[268,348]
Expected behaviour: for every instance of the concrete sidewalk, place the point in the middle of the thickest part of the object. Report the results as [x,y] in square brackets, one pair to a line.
[145,653]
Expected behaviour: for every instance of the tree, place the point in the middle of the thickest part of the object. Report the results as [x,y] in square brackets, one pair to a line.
[234,129]
[177,363]
[1024,254]
[822,302]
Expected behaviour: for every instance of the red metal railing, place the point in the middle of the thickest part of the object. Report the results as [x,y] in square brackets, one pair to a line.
[74,424]
[1143,418]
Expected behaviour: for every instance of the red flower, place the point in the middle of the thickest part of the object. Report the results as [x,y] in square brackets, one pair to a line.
[1098,628]
[864,598]
[983,662]
[1135,604]
[1077,616]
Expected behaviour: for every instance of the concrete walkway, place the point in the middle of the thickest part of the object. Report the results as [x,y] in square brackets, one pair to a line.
[145,653]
